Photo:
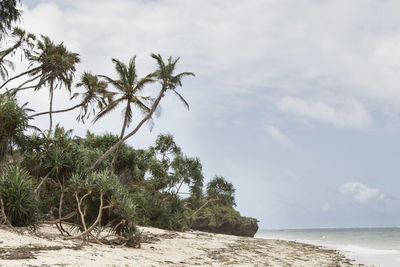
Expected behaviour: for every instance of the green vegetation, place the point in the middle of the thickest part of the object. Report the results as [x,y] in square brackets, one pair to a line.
[19,204]
[13,121]
[97,182]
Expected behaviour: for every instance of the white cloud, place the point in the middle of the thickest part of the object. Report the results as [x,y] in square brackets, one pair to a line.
[350,114]
[277,135]
[361,193]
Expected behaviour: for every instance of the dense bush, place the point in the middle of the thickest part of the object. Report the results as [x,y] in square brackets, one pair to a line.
[13,121]
[218,215]
[159,187]
[221,190]
[162,210]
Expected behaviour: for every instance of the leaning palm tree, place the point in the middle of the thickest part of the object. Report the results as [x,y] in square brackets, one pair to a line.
[129,89]
[56,68]
[95,95]
[169,82]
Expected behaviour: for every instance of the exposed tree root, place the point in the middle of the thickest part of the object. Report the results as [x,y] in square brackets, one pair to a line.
[88,230]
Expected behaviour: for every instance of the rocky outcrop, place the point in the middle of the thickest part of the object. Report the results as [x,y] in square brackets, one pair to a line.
[232,225]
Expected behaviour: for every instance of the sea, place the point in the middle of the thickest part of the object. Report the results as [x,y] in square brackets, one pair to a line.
[371,246]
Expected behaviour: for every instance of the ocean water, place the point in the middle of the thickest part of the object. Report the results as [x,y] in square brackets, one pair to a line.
[376,246]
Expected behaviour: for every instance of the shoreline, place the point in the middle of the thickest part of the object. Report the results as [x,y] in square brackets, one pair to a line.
[369,246]
[162,248]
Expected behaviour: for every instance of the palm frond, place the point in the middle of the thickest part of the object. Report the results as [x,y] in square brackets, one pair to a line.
[142,107]
[106,110]
[182,99]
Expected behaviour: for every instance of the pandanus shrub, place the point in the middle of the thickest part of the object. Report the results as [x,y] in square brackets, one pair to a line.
[20,205]
[103,203]
[13,121]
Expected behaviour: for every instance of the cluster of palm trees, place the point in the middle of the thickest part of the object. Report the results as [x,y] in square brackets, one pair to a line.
[53,66]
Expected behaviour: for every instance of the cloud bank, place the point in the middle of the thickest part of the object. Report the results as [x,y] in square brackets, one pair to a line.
[349,114]
[362,193]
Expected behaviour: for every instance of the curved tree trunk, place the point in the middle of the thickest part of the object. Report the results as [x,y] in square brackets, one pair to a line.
[9,50]
[14,91]
[56,111]
[114,147]
[18,76]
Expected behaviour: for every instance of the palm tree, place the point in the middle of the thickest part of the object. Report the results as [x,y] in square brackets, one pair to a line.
[95,94]
[9,13]
[169,81]
[129,88]
[56,68]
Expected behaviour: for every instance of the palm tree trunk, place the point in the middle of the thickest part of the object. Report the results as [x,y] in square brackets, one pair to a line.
[114,147]
[57,111]
[51,106]
[18,76]
[9,50]
[20,88]
[120,137]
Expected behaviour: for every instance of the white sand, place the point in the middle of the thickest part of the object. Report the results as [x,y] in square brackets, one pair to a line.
[166,248]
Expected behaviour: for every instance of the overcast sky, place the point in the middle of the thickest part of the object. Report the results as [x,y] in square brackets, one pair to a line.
[296,102]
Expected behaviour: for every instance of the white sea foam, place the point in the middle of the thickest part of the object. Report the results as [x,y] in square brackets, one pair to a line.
[365,250]
[377,246]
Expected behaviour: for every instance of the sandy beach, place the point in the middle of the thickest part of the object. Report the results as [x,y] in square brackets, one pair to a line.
[45,247]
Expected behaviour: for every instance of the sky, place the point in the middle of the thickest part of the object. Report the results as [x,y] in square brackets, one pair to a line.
[297,103]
